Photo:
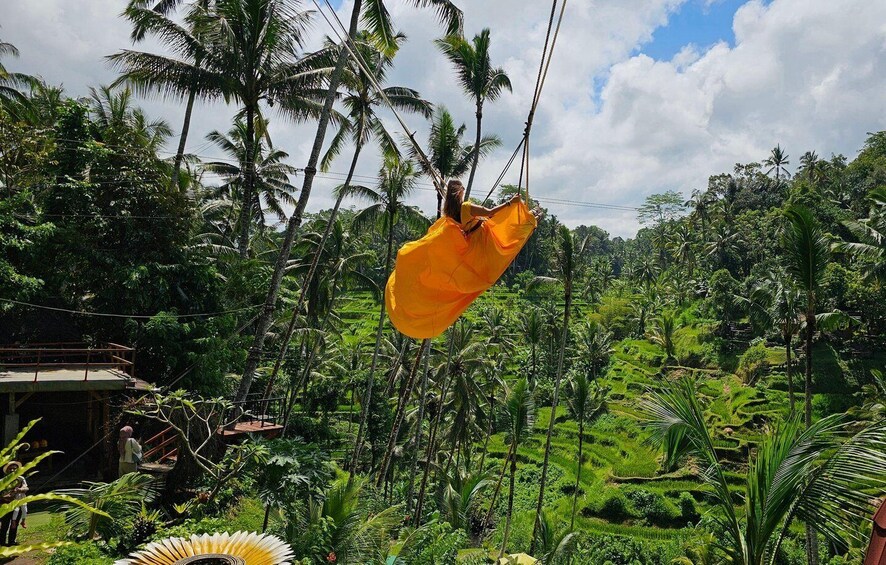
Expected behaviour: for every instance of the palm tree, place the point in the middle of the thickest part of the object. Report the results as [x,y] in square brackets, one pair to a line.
[396,181]
[702,203]
[585,404]
[458,494]
[532,327]
[813,168]
[554,544]
[807,253]
[341,529]
[820,474]
[246,50]
[595,347]
[11,82]
[156,21]
[520,408]
[479,79]
[723,244]
[774,303]
[683,246]
[272,190]
[870,249]
[662,334]
[566,264]
[361,126]
[498,341]
[118,121]
[377,17]
[469,360]
[447,154]
[777,163]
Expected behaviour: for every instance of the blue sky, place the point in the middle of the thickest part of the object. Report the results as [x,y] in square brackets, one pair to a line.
[697,23]
[806,74]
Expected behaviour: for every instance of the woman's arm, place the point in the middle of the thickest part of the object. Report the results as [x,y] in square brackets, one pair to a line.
[489,212]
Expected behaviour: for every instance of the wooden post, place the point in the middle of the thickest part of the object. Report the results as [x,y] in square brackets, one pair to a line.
[37,368]
[86,372]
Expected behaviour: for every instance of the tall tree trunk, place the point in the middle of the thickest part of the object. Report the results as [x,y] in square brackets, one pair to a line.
[488,430]
[501,477]
[476,151]
[367,396]
[395,368]
[400,414]
[309,277]
[787,371]
[266,317]
[183,138]
[556,400]
[421,416]
[432,434]
[504,543]
[581,437]
[811,536]
[248,184]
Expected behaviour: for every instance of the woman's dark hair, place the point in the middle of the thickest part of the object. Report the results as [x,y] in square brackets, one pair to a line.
[452,204]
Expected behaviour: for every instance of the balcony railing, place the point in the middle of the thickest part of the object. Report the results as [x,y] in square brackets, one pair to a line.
[44,357]
[257,411]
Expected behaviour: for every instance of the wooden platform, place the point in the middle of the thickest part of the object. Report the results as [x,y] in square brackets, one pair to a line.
[266,429]
[62,379]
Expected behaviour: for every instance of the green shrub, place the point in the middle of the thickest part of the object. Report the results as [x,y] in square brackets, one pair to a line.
[86,553]
[653,507]
[753,363]
[613,507]
[617,550]
[433,543]
[688,511]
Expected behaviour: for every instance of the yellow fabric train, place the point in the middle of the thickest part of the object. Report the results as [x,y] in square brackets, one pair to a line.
[437,277]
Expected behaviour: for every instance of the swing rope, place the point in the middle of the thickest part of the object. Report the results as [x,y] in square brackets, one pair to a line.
[544,65]
[349,44]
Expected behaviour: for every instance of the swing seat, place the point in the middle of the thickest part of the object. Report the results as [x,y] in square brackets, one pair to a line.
[436,278]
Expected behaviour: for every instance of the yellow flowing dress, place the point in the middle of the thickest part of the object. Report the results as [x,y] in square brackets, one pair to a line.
[437,277]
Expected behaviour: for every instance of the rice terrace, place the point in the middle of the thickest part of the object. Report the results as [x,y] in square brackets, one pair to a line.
[407,282]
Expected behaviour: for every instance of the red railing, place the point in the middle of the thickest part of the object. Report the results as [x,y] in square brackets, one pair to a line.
[161,447]
[73,356]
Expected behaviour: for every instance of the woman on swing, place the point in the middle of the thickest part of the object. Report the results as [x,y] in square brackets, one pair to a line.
[437,277]
[466,213]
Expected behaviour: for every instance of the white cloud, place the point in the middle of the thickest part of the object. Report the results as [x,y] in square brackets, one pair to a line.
[808,74]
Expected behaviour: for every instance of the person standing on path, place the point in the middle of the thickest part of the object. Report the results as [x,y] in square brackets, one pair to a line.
[130,452]
[9,522]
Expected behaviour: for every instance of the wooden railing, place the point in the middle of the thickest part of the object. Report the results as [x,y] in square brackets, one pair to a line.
[255,409]
[74,356]
[161,447]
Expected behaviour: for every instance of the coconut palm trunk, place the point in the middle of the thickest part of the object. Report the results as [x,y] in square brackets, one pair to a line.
[401,412]
[421,417]
[311,270]
[248,184]
[379,331]
[501,476]
[432,433]
[554,403]
[263,323]
[513,477]
[787,369]
[476,150]
[581,436]
[183,138]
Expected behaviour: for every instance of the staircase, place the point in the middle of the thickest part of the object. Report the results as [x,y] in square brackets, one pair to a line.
[159,454]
